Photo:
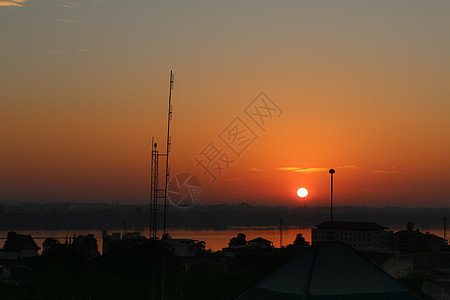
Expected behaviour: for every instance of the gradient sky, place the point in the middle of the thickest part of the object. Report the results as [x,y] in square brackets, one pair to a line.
[364,87]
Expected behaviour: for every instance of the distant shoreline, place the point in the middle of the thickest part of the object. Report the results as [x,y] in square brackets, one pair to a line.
[81,216]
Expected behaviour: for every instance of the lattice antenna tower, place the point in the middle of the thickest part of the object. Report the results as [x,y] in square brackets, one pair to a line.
[169,118]
[153,224]
[155,194]
[154,191]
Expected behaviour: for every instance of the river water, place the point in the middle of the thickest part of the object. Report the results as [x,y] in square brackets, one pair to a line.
[215,239]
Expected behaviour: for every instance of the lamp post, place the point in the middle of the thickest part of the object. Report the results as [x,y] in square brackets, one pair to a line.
[332,171]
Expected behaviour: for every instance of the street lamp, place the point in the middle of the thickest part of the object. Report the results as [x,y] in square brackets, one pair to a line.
[332,171]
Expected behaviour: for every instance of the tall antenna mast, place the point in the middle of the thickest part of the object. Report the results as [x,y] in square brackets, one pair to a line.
[154,191]
[169,118]
[153,226]
[155,194]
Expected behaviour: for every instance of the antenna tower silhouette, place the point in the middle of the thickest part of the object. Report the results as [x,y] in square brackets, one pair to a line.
[155,195]
[168,140]
[156,192]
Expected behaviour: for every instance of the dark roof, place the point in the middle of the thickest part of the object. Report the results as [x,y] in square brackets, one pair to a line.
[408,233]
[17,242]
[328,271]
[377,257]
[417,233]
[441,282]
[433,237]
[259,240]
[363,226]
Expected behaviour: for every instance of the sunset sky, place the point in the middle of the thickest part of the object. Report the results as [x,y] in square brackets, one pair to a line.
[361,86]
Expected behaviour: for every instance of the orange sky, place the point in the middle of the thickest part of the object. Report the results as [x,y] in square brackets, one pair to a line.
[363,88]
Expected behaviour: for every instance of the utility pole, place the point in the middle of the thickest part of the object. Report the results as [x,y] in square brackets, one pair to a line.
[332,171]
[281,232]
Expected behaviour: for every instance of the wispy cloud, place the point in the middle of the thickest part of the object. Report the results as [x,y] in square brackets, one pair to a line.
[67,21]
[70,4]
[288,168]
[255,169]
[349,167]
[54,51]
[392,170]
[302,170]
[314,170]
[12,3]
[58,51]
[311,170]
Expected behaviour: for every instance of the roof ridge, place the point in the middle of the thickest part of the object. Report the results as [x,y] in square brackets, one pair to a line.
[310,271]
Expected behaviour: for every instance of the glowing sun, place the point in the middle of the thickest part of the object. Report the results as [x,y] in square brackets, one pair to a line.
[302,192]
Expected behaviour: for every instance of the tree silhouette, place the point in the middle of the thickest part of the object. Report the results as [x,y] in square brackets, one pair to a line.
[238,240]
[50,245]
[410,226]
[300,241]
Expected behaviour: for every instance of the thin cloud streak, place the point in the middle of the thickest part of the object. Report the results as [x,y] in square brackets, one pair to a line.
[311,170]
[70,5]
[9,3]
[67,21]
[392,171]
[314,170]
[349,167]
[58,51]
[288,168]
[55,51]
[255,169]
[302,170]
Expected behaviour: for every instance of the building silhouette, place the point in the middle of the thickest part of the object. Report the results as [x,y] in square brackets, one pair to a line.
[359,235]
[410,240]
[21,245]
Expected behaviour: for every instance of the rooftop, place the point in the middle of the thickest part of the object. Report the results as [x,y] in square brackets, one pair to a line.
[17,242]
[328,271]
[362,226]
[259,240]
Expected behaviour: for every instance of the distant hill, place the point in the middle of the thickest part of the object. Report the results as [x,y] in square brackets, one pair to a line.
[104,215]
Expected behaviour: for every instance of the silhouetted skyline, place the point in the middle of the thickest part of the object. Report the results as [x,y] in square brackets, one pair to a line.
[111,216]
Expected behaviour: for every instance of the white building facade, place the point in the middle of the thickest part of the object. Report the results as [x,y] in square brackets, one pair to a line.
[359,235]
